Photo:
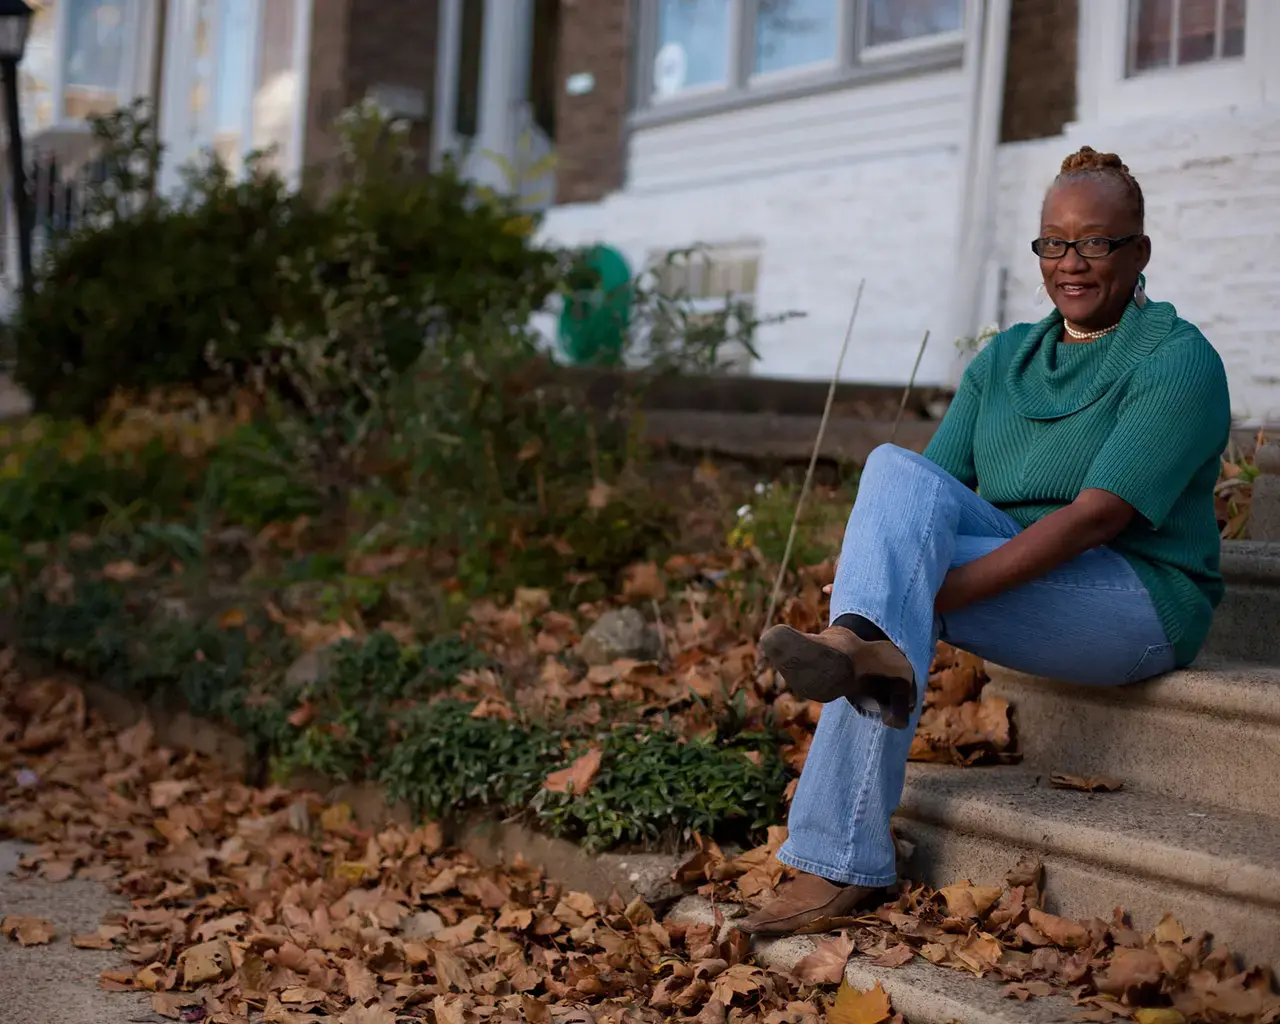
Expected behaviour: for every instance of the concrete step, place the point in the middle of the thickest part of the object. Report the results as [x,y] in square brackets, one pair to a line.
[1216,870]
[1245,626]
[1209,734]
[921,992]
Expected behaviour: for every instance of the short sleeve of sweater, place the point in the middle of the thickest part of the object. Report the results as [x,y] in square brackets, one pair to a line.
[952,445]
[1175,417]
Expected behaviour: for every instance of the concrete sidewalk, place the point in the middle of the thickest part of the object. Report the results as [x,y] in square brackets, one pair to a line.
[57,983]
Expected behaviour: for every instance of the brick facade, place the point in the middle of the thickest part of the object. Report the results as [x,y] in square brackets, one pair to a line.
[1040,72]
[595,38]
[358,45]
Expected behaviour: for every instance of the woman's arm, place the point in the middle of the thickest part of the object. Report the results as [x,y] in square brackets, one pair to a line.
[1095,518]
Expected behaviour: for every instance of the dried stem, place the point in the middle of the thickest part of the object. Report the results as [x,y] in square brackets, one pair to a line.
[813,462]
[906,392]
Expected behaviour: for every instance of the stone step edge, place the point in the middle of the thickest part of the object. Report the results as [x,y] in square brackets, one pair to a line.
[922,992]
[1227,689]
[1135,853]
[1251,562]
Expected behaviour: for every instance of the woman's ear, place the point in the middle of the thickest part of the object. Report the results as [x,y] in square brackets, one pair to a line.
[1143,245]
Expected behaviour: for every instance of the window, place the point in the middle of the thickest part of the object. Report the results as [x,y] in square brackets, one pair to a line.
[716,51]
[1152,58]
[1174,33]
[82,59]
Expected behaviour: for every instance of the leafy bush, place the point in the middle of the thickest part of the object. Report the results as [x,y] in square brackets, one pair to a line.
[446,762]
[253,480]
[157,291]
[343,716]
[56,478]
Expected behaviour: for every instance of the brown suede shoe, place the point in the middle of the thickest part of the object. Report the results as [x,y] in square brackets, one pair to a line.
[838,663]
[806,905]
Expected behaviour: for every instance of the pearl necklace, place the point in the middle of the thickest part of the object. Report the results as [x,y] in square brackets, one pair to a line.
[1088,335]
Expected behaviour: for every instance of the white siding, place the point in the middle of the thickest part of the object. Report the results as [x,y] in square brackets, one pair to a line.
[833,187]
[1212,184]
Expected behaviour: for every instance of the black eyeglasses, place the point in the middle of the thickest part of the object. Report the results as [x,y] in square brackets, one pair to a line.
[1089,248]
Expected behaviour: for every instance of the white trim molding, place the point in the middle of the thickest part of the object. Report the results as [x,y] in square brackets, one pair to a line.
[1108,94]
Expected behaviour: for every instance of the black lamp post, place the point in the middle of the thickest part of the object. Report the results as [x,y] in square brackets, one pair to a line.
[15,24]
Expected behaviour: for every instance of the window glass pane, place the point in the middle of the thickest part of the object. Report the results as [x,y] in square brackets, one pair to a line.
[693,45]
[793,33]
[892,21]
[1197,30]
[234,82]
[1151,26]
[93,64]
[38,72]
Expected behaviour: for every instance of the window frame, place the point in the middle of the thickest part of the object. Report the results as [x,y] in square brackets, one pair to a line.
[1108,94]
[855,63]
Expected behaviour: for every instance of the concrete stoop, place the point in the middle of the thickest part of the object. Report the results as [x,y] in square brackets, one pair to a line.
[1214,869]
[1196,829]
[1209,734]
[921,992]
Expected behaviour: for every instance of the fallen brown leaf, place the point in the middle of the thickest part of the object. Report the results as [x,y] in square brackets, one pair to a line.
[1085,783]
[825,965]
[853,1007]
[896,956]
[577,778]
[28,931]
[967,900]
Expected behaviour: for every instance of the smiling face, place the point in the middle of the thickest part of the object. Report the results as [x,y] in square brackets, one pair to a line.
[1092,293]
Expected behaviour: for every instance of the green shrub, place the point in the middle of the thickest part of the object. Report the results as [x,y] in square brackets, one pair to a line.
[654,785]
[189,290]
[348,707]
[252,479]
[58,478]
[445,762]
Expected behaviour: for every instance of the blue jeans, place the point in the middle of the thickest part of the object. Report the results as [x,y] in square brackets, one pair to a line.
[1089,621]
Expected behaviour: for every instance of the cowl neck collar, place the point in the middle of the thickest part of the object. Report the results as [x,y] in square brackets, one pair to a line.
[1041,387]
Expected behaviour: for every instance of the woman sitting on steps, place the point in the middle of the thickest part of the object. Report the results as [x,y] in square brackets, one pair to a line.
[1061,523]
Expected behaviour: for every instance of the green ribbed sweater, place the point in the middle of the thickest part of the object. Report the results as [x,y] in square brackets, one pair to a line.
[1142,412]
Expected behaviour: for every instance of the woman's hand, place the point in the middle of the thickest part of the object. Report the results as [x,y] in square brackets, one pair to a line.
[1095,518]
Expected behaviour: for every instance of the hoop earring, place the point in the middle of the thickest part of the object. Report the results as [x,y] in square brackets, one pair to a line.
[1040,294]
[1140,292]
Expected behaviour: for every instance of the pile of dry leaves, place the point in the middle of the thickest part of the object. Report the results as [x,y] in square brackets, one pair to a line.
[266,903]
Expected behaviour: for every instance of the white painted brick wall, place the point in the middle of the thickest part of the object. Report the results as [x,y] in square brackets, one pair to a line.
[870,190]
[820,232]
[1212,183]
